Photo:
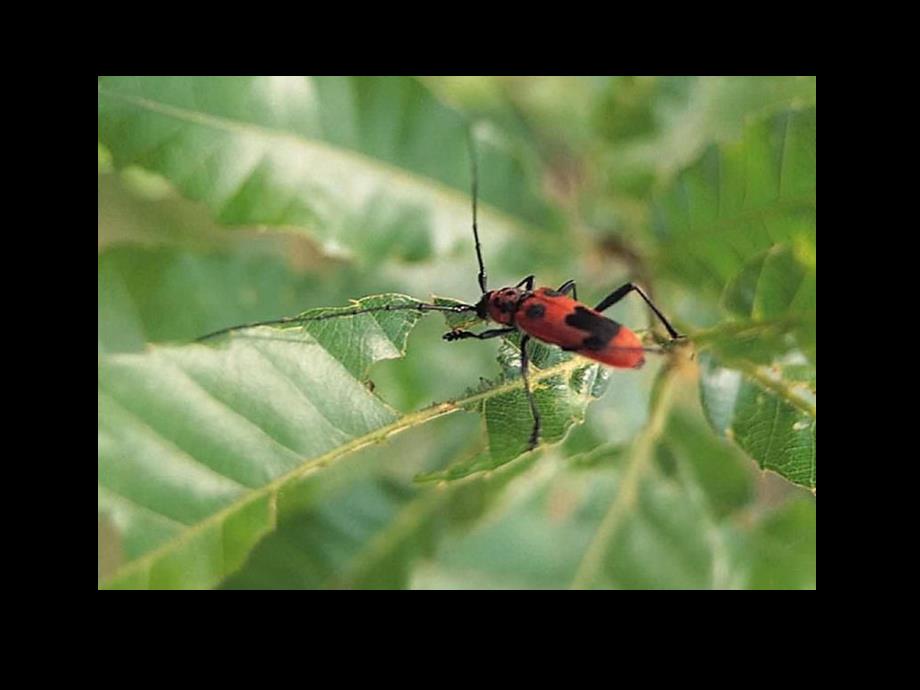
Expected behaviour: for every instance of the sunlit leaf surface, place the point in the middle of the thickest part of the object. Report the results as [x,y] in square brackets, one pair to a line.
[196,440]
[375,167]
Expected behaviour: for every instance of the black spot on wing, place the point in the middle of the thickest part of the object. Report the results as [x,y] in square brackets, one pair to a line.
[535,311]
[600,329]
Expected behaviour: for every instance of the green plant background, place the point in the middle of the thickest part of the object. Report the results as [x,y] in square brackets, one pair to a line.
[364,451]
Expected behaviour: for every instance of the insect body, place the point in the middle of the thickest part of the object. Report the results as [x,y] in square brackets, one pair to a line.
[553,317]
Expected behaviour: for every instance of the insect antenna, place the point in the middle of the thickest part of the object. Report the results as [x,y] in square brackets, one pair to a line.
[304,318]
[474,175]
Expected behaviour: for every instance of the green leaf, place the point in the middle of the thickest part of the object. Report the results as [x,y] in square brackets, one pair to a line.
[782,550]
[368,533]
[740,199]
[776,290]
[364,534]
[370,166]
[164,294]
[196,442]
[719,468]
[540,540]
[538,537]
[758,377]
[771,310]
[689,114]
[137,207]
[561,399]
[773,422]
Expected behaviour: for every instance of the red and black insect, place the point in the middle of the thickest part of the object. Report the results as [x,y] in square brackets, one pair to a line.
[551,316]
[548,315]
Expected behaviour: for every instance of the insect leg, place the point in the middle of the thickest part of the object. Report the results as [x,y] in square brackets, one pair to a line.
[624,290]
[568,286]
[527,283]
[485,335]
[535,432]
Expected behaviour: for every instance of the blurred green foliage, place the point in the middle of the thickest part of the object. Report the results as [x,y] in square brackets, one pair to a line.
[269,460]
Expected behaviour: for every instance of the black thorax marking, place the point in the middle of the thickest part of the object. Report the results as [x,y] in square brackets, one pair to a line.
[535,311]
[512,307]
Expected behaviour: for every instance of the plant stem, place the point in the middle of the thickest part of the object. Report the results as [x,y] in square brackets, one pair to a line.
[639,459]
[735,329]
